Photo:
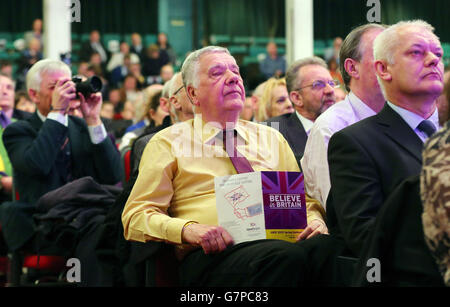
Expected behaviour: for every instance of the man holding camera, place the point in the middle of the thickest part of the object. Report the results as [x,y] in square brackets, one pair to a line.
[52,148]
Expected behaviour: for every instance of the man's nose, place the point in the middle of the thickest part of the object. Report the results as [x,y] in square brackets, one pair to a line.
[232,77]
[328,89]
[432,59]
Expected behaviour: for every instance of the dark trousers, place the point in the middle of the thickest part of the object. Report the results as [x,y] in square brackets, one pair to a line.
[265,263]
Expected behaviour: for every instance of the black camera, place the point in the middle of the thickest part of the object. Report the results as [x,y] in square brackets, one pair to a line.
[91,85]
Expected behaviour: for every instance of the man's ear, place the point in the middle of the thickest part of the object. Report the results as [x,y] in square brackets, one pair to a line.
[382,70]
[164,104]
[174,101]
[296,98]
[351,67]
[33,95]
[192,93]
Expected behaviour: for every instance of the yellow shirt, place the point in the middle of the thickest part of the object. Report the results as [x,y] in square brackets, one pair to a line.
[176,176]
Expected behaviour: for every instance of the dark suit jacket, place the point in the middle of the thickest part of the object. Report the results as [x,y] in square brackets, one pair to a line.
[294,133]
[367,161]
[397,241]
[19,114]
[86,51]
[33,147]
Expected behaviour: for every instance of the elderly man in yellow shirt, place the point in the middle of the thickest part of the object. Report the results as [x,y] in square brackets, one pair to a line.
[173,199]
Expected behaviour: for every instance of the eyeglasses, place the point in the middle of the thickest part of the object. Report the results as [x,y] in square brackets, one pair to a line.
[176,92]
[319,84]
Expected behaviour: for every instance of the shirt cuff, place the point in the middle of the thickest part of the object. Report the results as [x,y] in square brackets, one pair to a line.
[97,133]
[60,118]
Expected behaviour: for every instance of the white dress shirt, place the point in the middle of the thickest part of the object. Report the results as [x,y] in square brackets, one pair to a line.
[413,120]
[307,124]
[315,159]
[96,133]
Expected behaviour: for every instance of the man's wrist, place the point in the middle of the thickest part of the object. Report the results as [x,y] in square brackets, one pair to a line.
[93,121]
[59,110]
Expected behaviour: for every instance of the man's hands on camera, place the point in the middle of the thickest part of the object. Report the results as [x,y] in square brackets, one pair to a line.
[90,108]
[63,93]
[213,239]
[64,98]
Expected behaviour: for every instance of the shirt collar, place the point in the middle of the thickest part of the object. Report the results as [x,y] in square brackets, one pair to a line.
[208,132]
[412,119]
[42,117]
[359,106]
[307,123]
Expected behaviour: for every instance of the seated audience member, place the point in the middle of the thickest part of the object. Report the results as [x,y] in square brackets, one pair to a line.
[166,73]
[274,100]
[339,94]
[256,98]
[443,101]
[35,33]
[127,111]
[23,102]
[135,70]
[163,44]
[434,191]
[107,110]
[156,110]
[119,73]
[153,60]
[117,59]
[273,65]
[334,70]
[7,115]
[180,109]
[28,57]
[136,45]
[82,69]
[363,100]
[130,90]
[333,52]
[35,154]
[369,159]
[94,45]
[6,68]
[311,91]
[51,149]
[112,238]
[247,109]
[175,207]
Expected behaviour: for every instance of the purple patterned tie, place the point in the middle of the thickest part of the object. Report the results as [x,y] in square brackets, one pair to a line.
[4,120]
[240,163]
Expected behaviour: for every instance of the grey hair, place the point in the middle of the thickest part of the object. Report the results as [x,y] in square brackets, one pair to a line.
[292,77]
[34,75]
[172,90]
[166,89]
[351,48]
[172,87]
[190,65]
[386,43]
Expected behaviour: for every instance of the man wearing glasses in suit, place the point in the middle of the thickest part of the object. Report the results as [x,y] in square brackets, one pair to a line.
[311,90]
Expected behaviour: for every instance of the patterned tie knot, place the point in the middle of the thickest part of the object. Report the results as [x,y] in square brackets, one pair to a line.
[427,127]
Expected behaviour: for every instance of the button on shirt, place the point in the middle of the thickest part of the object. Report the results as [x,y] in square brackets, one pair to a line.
[315,159]
[176,176]
[413,120]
